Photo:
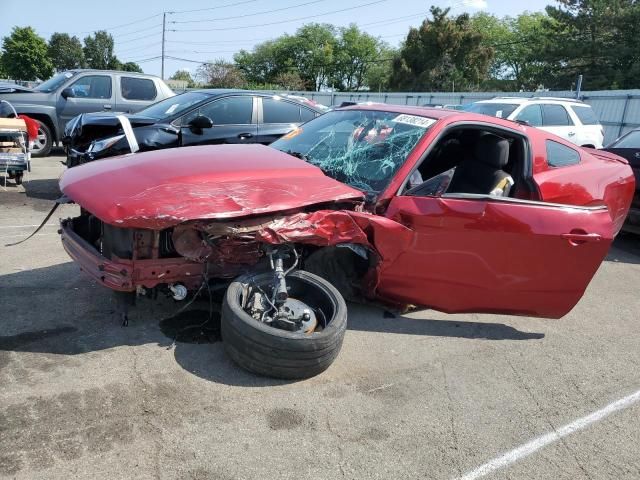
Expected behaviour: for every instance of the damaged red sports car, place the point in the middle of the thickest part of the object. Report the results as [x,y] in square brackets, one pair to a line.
[403,205]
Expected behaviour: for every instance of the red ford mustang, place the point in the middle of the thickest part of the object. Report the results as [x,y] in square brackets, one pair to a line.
[403,205]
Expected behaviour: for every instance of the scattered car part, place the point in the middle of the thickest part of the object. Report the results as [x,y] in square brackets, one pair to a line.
[266,348]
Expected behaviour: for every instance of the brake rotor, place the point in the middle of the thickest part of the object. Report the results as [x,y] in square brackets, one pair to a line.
[300,313]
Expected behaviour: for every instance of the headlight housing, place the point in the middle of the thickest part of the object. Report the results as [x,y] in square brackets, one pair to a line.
[100,145]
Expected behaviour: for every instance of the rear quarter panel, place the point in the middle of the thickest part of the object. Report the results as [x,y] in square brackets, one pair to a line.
[596,180]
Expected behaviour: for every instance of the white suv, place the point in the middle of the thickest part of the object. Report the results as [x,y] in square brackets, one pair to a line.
[572,120]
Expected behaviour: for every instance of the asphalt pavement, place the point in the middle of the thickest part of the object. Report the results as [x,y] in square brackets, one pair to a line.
[420,396]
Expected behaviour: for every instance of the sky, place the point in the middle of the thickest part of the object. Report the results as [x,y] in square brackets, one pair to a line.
[200,30]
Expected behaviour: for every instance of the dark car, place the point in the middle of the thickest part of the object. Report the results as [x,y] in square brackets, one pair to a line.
[66,95]
[199,117]
[628,146]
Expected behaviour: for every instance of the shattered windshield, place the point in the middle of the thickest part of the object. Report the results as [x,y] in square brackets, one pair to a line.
[362,148]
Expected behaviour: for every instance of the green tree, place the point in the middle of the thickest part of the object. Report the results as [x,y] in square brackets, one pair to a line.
[289,81]
[184,76]
[130,67]
[597,38]
[378,74]
[221,74]
[65,52]
[98,51]
[443,54]
[519,46]
[25,55]
[355,51]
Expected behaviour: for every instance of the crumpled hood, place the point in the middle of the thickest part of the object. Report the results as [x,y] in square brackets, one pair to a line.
[163,188]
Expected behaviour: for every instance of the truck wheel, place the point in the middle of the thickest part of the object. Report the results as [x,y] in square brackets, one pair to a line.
[277,352]
[18,178]
[43,142]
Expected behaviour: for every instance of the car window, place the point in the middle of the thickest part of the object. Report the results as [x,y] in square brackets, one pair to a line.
[586,115]
[500,110]
[555,116]
[631,140]
[559,155]
[137,88]
[279,111]
[306,114]
[92,86]
[173,105]
[228,111]
[532,115]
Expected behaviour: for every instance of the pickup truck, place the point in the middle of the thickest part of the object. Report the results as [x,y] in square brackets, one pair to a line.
[68,94]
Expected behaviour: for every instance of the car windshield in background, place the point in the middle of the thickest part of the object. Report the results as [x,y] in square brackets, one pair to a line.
[500,110]
[54,82]
[173,106]
[362,148]
[632,140]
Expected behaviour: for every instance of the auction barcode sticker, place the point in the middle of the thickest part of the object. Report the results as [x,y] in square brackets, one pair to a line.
[414,120]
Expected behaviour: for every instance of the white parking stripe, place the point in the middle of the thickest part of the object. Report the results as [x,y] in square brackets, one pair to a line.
[540,442]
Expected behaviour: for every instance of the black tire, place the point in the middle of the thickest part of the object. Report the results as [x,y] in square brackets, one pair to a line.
[273,352]
[44,139]
[18,178]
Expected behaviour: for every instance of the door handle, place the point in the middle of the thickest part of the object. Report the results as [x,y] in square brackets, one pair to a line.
[243,136]
[107,107]
[571,134]
[578,238]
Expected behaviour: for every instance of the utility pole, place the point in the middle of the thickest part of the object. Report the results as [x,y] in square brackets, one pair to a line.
[164,26]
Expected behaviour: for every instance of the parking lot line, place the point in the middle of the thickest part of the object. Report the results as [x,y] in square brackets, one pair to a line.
[536,444]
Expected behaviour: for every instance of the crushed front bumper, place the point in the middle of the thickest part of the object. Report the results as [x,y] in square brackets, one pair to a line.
[125,275]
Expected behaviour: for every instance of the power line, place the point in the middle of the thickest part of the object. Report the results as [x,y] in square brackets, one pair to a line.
[284,21]
[135,32]
[213,8]
[138,38]
[248,14]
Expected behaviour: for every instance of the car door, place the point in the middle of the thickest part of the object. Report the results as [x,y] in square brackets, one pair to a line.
[233,118]
[556,120]
[134,93]
[89,93]
[278,117]
[477,253]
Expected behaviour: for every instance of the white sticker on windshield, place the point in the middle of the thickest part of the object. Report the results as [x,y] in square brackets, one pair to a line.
[414,120]
[499,114]
[172,108]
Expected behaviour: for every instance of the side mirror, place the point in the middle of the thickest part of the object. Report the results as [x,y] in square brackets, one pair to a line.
[68,92]
[201,121]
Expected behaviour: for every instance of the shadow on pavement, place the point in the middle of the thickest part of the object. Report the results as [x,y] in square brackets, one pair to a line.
[43,189]
[625,249]
[57,310]
[375,322]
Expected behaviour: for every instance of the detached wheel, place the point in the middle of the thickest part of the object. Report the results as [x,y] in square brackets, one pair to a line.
[43,142]
[271,350]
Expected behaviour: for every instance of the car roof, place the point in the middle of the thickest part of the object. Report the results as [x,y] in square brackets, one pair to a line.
[237,91]
[521,100]
[85,70]
[436,113]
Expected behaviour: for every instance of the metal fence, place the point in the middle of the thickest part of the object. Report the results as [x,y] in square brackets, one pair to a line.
[618,110]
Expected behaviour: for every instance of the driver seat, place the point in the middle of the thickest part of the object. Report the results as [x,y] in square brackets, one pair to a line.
[484,173]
